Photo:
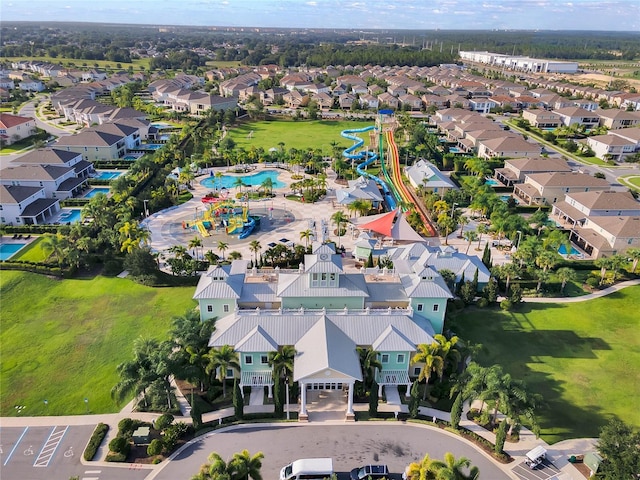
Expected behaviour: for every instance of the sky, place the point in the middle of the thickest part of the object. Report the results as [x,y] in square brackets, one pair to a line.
[620,15]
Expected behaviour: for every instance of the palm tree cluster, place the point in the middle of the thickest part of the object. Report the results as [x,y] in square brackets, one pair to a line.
[437,357]
[242,466]
[499,392]
[451,468]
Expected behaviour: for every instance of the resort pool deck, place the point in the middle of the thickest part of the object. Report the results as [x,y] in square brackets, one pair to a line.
[254,180]
[8,250]
[70,215]
[96,190]
[107,174]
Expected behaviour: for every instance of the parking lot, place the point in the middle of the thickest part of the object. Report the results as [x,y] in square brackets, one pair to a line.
[543,472]
[34,452]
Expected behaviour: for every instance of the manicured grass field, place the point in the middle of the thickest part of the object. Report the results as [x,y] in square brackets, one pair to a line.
[582,357]
[32,252]
[300,135]
[62,340]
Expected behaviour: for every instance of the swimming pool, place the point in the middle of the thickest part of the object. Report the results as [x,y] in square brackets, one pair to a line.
[8,250]
[151,146]
[107,174]
[228,181]
[455,150]
[563,251]
[491,182]
[70,215]
[96,190]
[505,198]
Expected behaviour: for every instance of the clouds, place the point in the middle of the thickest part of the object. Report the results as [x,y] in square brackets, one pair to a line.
[391,14]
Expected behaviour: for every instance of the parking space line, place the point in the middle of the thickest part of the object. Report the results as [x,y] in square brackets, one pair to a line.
[15,446]
[50,447]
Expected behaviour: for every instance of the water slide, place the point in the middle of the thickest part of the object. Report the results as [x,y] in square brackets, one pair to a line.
[368,157]
[235,225]
[201,228]
[247,228]
[396,180]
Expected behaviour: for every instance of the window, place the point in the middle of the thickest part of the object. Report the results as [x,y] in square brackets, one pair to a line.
[416,371]
[400,358]
[420,307]
[209,308]
[225,308]
[436,308]
[229,372]
[248,360]
[385,358]
[264,359]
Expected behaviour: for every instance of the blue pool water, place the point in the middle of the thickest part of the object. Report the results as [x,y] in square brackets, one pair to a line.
[255,180]
[505,198]
[151,146]
[454,150]
[96,190]
[70,215]
[107,175]
[491,181]
[8,250]
[563,251]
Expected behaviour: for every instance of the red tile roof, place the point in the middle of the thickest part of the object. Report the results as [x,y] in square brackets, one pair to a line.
[8,121]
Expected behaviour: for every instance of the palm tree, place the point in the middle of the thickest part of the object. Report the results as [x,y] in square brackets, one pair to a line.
[211,257]
[506,272]
[255,247]
[449,278]
[425,470]
[267,185]
[446,348]
[369,363]
[547,259]
[634,255]
[433,362]
[282,361]
[235,255]
[543,277]
[306,235]
[455,469]
[244,465]
[238,183]
[222,247]
[481,229]
[618,262]
[55,245]
[339,218]
[565,274]
[604,264]
[194,243]
[220,360]
[469,236]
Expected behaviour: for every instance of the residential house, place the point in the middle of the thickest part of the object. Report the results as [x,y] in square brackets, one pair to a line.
[31,85]
[577,207]
[346,101]
[615,118]
[55,157]
[410,101]
[631,134]
[507,147]
[516,169]
[604,236]
[542,119]
[324,312]
[57,181]
[550,187]
[369,101]
[25,205]
[324,100]
[295,99]
[272,95]
[610,147]
[14,128]
[426,176]
[94,145]
[578,116]
[386,99]
[363,188]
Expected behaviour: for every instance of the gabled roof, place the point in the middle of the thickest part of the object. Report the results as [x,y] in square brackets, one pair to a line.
[349,285]
[392,340]
[47,156]
[9,121]
[229,287]
[257,340]
[13,194]
[326,347]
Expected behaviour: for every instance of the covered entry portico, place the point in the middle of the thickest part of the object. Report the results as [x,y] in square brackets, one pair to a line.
[326,360]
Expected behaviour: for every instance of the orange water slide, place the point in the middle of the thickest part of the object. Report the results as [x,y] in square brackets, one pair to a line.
[402,189]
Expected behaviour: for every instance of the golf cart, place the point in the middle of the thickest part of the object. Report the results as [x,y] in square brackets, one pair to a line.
[535,457]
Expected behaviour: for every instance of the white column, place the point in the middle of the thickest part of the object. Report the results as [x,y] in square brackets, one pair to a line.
[269,390]
[408,392]
[379,390]
[303,398]
[350,404]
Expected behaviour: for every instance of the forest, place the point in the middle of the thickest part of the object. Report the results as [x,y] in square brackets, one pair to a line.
[174,47]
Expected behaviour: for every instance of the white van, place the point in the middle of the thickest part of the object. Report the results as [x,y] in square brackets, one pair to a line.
[308,469]
[536,456]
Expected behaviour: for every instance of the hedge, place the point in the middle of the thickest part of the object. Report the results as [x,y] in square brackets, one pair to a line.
[35,268]
[94,442]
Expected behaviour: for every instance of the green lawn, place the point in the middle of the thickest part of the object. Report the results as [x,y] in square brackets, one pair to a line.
[82,63]
[33,252]
[583,358]
[62,340]
[300,135]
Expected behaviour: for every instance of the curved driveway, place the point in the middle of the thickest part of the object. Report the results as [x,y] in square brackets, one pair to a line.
[350,445]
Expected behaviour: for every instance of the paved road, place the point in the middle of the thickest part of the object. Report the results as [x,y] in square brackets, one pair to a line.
[350,445]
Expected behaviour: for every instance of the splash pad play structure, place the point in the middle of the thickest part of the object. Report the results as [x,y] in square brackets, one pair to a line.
[224,214]
[395,192]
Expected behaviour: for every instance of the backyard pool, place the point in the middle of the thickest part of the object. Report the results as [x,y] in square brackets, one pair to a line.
[151,146]
[505,198]
[70,215]
[132,157]
[8,250]
[563,251]
[96,190]
[107,174]
[455,150]
[492,182]
[255,180]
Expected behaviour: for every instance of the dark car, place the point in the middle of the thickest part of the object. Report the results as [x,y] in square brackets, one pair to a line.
[370,471]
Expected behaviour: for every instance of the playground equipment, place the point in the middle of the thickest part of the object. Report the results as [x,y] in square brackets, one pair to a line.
[368,157]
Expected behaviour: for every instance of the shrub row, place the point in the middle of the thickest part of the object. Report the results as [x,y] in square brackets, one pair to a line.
[35,268]
[94,442]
